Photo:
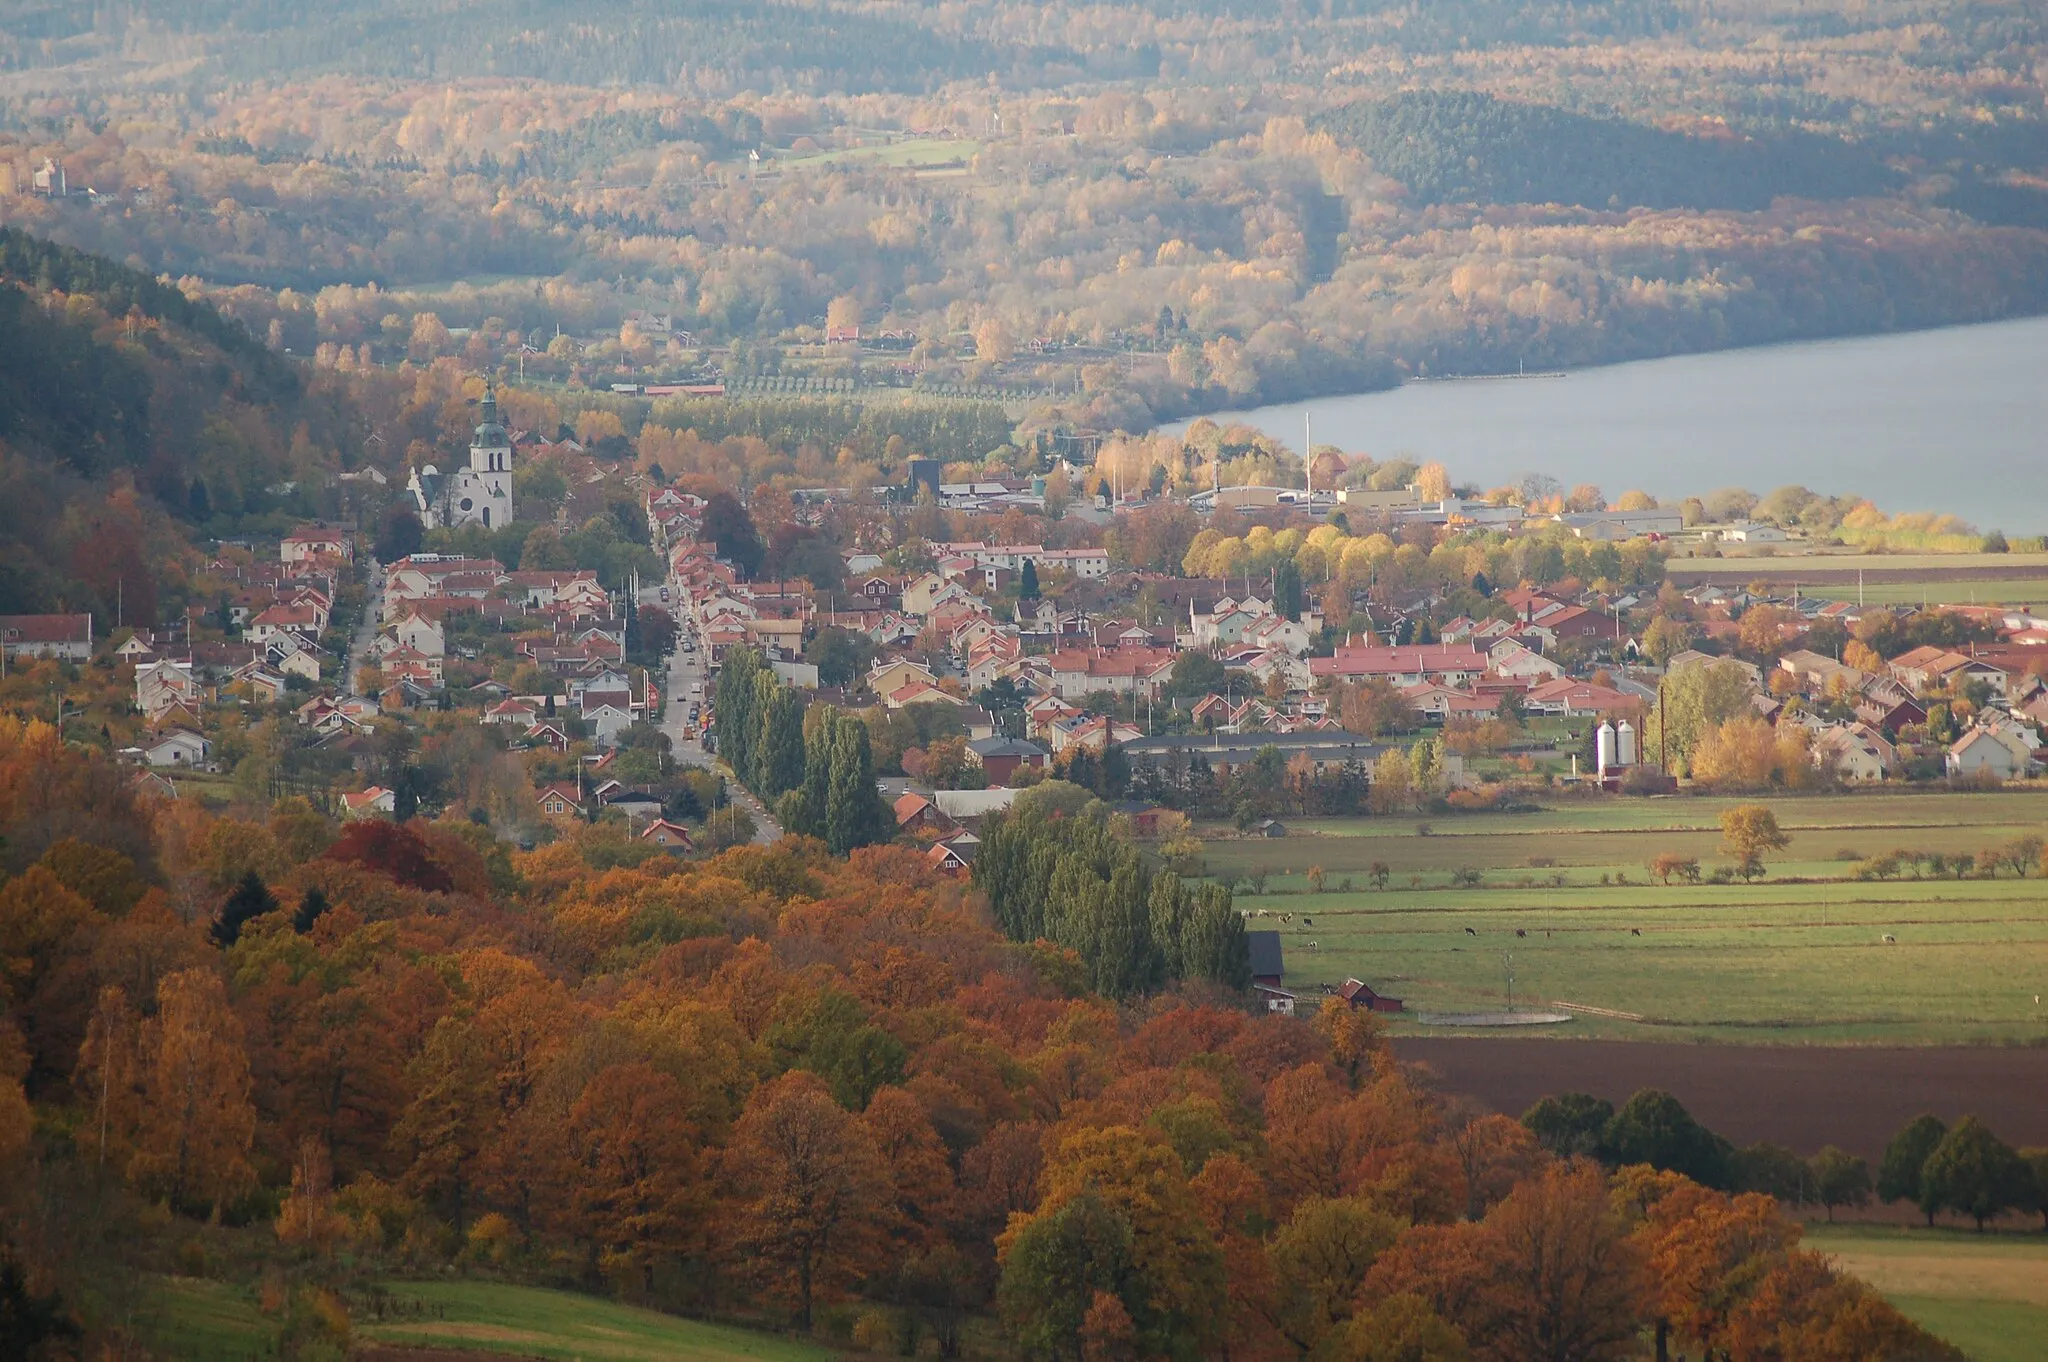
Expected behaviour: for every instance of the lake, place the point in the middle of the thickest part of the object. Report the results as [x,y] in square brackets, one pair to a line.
[1954,419]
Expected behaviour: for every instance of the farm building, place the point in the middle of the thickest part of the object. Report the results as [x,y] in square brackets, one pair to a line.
[1359,994]
[1278,1001]
[1267,967]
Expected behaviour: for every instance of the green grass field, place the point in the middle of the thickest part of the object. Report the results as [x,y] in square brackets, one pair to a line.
[1987,1294]
[208,1321]
[532,1322]
[903,154]
[1796,957]
[193,1317]
[1975,591]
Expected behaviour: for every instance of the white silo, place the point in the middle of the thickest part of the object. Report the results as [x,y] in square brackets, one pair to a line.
[1603,748]
[1625,743]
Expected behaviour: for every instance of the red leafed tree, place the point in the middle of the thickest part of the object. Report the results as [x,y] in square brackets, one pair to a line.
[395,850]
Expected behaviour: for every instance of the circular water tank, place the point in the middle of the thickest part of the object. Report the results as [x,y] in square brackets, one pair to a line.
[1625,743]
[1603,747]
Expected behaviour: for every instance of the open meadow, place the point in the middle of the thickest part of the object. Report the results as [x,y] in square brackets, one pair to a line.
[1987,1294]
[1557,907]
[208,1321]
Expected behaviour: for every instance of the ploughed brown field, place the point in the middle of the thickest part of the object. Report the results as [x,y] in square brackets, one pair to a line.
[1802,1097]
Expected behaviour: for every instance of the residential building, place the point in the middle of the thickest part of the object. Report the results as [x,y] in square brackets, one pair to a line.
[369,803]
[1987,752]
[68,637]
[1000,758]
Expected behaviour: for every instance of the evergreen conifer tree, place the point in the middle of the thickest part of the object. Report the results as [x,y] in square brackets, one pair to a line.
[310,909]
[252,899]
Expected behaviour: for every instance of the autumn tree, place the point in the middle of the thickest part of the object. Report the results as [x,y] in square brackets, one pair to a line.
[308,1218]
[1057,1266]
[1691,701]
[1804,1308]
[47,937]
[196,1123]
[1748,831]
[1559,1279]
[451,1116]
[1665,638]
[814,1198]
[637,1183]
[1665,864]
[1707,1253]
[1175,1267]
[1319,1260]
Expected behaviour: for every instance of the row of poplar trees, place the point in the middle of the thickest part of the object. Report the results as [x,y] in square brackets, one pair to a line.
[1071,880]
[812,764]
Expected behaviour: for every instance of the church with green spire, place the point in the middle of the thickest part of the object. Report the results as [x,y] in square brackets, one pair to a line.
[479,494]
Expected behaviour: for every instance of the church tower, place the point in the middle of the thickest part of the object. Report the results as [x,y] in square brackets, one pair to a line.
[483,494]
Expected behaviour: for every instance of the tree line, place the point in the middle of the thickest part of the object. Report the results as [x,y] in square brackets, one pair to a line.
[1054,869]
[1965,1169]
[811,763]
[884,434]
[779,1086]
[1469,147]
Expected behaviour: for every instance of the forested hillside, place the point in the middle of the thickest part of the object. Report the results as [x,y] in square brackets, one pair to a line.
[125,405]
[1151,208]
[1466,147]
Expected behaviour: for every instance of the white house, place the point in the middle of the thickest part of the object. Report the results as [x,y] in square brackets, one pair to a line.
[163,684]
[422,634]
[1513,658]
[1987,752]
[63,636]
[180,747]
[369,803]
[303,545]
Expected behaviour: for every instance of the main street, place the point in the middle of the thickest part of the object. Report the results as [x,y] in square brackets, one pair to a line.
[366,629]
[689,682]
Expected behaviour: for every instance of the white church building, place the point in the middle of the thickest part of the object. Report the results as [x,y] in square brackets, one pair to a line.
[480,494]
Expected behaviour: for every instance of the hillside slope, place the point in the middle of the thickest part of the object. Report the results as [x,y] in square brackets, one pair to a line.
[130,414]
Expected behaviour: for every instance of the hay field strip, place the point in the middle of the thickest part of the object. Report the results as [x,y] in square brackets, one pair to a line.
[1987,1294]
[1799,956]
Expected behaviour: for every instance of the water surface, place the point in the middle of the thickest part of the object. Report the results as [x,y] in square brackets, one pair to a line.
[1952,420]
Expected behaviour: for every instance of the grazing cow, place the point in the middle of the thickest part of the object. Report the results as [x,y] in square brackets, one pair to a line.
[1307,923]
[1287,917]
[1264,913]
[1890,940]
[1470,932]
[1635,931]
[1312,945]
[1520,932]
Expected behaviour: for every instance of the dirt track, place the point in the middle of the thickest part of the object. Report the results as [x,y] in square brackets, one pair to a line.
[1799,1096]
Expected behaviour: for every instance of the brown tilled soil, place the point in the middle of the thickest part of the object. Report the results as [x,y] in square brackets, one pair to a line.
[1798,1096]
[388,1354]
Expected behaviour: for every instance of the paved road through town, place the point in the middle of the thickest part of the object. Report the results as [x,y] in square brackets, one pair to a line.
[689,682]
[366,629]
